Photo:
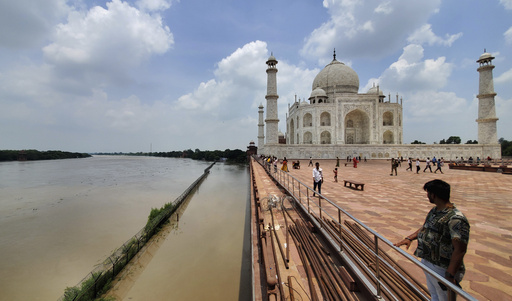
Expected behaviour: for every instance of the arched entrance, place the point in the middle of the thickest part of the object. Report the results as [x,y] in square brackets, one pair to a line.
[357,127]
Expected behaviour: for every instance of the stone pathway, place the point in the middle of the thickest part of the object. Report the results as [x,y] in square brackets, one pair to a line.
[396,206]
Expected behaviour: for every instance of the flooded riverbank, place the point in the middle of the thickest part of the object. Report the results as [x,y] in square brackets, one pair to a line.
[60,218]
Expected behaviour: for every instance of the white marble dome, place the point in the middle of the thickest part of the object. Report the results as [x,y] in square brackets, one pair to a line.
[373,91]
[339,76]
[318,92]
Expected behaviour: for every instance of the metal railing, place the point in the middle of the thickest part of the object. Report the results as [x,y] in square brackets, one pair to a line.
[320,207]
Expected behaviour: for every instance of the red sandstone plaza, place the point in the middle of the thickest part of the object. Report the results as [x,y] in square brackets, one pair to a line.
[396,206]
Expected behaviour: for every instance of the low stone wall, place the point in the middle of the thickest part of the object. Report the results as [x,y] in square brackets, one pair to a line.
[382,151]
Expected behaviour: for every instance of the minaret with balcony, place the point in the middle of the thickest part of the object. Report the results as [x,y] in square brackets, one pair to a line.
[261,128]
[272,120]
[487,131]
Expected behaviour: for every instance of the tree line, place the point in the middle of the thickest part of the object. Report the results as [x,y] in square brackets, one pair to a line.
[232,156]
[506,146]
[32,154]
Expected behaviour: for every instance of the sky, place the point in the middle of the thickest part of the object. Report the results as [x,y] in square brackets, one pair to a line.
[163,75]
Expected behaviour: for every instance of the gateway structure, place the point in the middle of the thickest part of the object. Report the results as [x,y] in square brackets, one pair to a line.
[338,121]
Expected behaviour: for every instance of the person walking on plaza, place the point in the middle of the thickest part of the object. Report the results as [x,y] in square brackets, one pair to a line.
[409,162]
[442,240]
[335,174]
[285,165]
[355,162]
[394,166]
[310,162]
[428,165]
[318,178]
[337,162]
[417,165]
[440,164]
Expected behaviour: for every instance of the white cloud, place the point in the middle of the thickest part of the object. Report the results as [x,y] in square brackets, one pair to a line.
[384,8]
[236,79]
[424,35]
[505,77]
[434,105]
[508,35]
[103,43]
[506,3]
[28,23]
[153,5]
[412,73]
[361,28]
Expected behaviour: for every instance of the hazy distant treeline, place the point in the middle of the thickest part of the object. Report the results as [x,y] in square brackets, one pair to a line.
[32,154]
[233,156]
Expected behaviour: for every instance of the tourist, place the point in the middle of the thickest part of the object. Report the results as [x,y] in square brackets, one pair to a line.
[296,165]
[428,165]
[417,165]
[318,178]
[442,240]
[394,166]
[337,162]
[440,164]
[310,162]
[275,164]
[355,162]
[285,165]
[409,162]
[335,174]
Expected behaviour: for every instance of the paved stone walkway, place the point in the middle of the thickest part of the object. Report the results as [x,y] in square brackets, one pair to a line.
[396,206]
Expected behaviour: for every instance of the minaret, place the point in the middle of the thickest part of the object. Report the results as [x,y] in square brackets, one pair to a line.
[271,97]
[487,133]
[261,128]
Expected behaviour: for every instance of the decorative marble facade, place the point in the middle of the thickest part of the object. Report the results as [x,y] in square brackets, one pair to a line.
[339,122]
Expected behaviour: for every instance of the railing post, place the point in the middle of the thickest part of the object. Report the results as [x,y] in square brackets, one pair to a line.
[377,274]
[320,208]
[308,200]
[341,237]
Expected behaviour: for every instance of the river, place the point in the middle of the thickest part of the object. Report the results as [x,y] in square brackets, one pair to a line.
[60,218]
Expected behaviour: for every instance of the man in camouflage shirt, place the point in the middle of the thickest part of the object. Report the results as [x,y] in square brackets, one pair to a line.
[442,240]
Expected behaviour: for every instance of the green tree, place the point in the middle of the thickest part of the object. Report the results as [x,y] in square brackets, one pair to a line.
[453,140]
[471,142]
[506,147]
[417,142]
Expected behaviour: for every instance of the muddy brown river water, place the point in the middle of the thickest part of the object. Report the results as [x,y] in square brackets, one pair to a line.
[58,219]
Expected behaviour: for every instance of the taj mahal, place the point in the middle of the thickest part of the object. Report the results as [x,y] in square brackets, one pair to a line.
[338,121]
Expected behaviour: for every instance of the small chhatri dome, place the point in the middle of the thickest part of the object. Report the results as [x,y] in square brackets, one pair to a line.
[272,60]
[373,90]
[280,134]
[318,92]
[339,76]
[485,57]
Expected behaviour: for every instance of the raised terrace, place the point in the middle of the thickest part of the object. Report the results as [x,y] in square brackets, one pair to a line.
[396,206]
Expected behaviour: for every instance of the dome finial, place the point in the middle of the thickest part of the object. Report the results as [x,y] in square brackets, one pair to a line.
[334,55]
[485,50]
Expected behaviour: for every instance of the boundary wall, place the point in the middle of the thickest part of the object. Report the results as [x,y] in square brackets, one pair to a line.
[449,152]
[93,285]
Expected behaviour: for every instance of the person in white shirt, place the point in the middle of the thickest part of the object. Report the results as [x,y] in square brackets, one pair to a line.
[318,178]
[428,165]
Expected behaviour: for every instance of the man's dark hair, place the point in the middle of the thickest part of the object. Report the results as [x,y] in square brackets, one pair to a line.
[439,188]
